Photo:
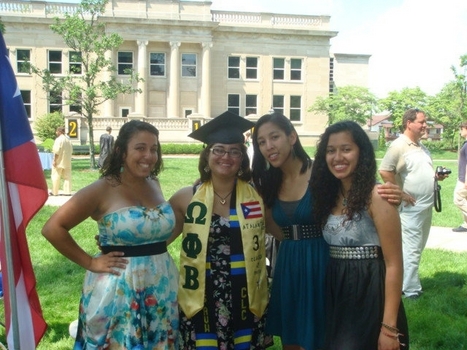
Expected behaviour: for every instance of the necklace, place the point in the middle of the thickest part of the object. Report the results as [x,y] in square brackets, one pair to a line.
[222,200]
[344,199]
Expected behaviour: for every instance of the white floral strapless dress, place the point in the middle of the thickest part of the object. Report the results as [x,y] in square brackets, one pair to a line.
[137,310]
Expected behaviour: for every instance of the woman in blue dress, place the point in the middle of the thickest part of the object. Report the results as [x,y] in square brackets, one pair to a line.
[281,173]
[129,297]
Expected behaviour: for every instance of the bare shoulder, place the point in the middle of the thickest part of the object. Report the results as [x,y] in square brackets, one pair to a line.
[182,197]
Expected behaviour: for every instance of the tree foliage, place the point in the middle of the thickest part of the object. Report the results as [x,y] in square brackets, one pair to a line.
[449,106]
[89,42]
[47,125]
[348,103]
[397,102]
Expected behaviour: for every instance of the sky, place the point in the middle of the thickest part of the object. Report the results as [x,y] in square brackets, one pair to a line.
[411,42]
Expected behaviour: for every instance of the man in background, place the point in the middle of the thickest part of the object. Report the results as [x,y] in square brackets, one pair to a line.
[106,143]
[460,192]
[408,163]
[61,166]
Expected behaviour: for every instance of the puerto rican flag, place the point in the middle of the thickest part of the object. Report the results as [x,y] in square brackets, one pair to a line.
[251,210]
[27,192]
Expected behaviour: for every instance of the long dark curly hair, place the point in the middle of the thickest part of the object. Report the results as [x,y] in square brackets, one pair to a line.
[325,187]
[268,179]
[206,175]
[114,161]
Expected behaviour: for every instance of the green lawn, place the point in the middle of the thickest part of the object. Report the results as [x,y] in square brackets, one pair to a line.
[437,320]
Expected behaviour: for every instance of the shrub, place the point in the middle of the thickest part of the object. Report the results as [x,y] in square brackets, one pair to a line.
[47,145]
[181,148]
[46,125]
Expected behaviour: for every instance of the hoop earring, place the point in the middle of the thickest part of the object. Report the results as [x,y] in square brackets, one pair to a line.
[207,169]
[267,166]
[121,169]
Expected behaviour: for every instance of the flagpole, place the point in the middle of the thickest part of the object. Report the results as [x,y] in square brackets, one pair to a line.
[5,211]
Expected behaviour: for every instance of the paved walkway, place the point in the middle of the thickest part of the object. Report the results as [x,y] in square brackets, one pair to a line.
[440,237]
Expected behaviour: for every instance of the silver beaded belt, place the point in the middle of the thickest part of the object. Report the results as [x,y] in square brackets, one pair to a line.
[298,232]
[366,252]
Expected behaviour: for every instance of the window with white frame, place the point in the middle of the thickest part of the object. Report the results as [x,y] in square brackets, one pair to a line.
[233,67]
[55,102]
[233,101]
[23,56]
[295,108]
[26,96]
[252,68]
[278,68]
[251,104]
[55,62]
[76,105]
[296,69]
[188,65]
[278,103]
[75,62]
[157,64]
[124,62]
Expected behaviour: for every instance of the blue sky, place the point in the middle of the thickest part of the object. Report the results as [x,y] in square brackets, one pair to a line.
[412,42]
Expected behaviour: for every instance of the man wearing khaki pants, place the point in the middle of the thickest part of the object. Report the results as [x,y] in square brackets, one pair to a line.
[61,166]
[460,192]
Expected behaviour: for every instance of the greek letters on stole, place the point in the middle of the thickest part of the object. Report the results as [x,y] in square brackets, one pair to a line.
[250,210]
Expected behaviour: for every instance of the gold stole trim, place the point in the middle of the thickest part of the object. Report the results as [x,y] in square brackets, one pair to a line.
[194,245]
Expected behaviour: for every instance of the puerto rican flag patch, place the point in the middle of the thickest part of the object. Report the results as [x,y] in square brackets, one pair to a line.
[251,210]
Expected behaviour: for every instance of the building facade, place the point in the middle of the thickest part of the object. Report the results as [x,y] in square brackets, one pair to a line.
[196,63]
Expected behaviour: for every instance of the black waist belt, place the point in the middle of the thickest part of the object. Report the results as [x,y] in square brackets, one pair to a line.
[137,250]
[297,232]
[364,252]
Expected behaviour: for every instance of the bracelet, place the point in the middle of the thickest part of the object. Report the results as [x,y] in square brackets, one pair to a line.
[391,328]
[393,336]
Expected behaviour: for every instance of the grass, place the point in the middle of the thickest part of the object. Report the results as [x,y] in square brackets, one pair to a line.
[437,320]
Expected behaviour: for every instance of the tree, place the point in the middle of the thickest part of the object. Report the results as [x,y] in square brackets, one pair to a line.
[87,38]
[2,27]
[449,106]
[397,102]
[348,103]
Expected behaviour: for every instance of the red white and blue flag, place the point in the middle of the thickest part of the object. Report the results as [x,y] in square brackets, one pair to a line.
[251,210]
[27,193]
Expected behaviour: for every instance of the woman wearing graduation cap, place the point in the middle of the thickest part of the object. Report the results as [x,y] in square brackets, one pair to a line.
[223,282]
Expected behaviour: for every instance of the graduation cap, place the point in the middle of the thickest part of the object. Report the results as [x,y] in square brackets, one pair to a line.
[227,128]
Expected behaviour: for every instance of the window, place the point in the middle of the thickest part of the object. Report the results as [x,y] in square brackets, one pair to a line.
[157,64]
[75,64]
[234,67]
[295,69]
[252,68]
[55,62]
[76,105]
[124,112]
[188,65]
[278,68]
[251,104]
[125,62]
[187,112]
[278,103]
[295,108]
[26,95]
[22,59]
[331,75]
[55,102]
[233,103]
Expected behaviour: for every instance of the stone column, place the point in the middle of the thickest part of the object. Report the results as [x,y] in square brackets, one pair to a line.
[205,107]
[141,98]
[173,105]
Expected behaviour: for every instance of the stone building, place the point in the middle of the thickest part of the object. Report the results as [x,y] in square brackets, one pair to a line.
[196,63]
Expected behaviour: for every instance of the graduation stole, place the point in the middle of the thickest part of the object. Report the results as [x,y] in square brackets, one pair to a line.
[246,217]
